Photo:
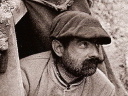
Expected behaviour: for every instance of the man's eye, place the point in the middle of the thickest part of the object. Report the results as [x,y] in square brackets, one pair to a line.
[83,44]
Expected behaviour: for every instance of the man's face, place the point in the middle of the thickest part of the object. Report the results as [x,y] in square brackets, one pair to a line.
[81,57]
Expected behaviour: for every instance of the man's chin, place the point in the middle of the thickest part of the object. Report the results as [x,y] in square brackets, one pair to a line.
[86,73]
[90,72]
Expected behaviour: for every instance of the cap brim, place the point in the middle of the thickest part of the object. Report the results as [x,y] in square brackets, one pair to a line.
[94,34]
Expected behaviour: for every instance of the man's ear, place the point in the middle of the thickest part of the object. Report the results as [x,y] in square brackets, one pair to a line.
[57,47]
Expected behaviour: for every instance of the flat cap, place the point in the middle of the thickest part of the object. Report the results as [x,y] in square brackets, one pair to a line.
[78,24]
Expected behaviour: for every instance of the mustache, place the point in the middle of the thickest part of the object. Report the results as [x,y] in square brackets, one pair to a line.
[93,60]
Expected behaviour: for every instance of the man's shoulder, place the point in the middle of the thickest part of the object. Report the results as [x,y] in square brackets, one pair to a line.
[42,55]
[101,78]
[101,82]
[36,60]
[32,68]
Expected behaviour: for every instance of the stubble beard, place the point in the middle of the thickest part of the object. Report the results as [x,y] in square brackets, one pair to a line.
[86,68]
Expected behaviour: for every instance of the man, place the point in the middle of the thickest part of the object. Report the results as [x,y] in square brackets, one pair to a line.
[70,68]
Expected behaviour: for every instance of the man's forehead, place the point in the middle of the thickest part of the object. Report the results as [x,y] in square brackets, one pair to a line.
[78,39]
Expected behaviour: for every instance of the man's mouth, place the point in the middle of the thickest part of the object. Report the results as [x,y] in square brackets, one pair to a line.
[89,66]
[91,69]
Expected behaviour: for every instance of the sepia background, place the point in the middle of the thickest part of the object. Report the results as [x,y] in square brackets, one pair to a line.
[113,15]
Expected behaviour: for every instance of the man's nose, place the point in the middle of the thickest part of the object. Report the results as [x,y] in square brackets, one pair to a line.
[97,52]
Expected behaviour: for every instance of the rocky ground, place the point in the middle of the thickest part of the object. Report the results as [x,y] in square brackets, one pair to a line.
[113,15]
